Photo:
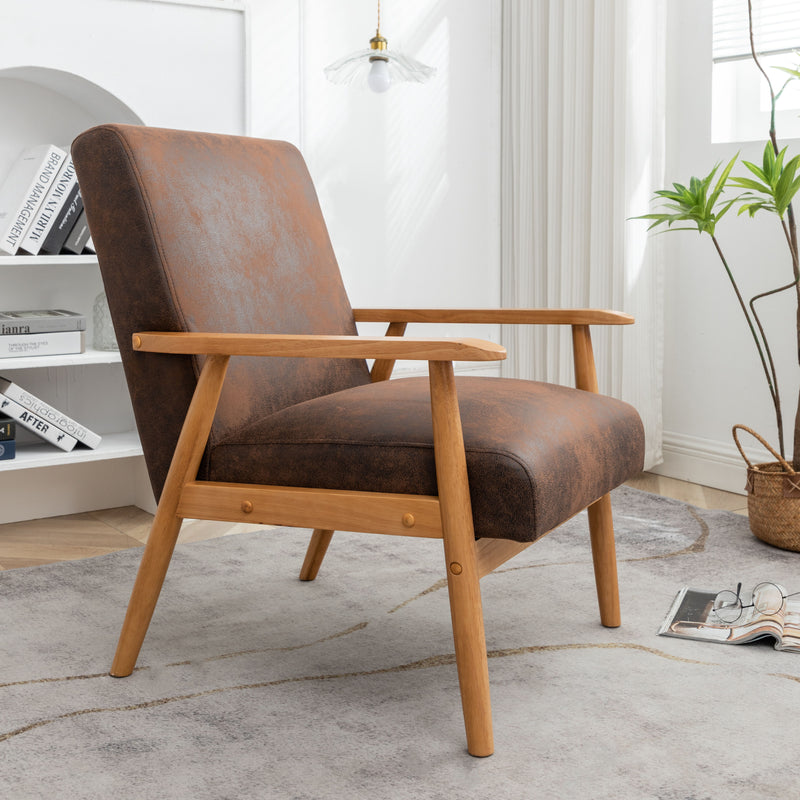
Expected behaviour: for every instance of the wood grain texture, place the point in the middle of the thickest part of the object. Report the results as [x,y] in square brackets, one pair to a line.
[494,316]
[383,367]
[601,524]
[326,509]
[299,346]
[317,547]
[583,356]
[492,553]
[167,522]
[604,557]
[460,558]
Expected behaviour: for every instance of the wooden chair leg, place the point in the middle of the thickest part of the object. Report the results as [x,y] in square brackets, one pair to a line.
[463,581]
[167,523]
[601,530]
[317,548]
[146,589]
[601,525]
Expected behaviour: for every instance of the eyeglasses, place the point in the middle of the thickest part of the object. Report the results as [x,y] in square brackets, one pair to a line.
[768,598]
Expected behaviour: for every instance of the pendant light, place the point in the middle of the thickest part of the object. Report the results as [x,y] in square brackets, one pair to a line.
[378,67]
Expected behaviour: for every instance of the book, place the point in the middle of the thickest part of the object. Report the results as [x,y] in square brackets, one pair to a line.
[41,320]
[64,222]
[691,616]
[23,191]
[78,237]
[12,391]
[8,449]
[50,208]
[8,429]
[56,343]
[33,422]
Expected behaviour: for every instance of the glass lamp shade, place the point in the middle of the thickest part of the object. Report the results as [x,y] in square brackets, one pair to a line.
[377,70]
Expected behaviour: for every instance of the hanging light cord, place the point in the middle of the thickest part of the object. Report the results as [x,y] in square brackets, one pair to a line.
[377,42]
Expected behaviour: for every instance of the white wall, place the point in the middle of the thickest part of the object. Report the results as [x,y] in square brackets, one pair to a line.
[713,378]
[408,180]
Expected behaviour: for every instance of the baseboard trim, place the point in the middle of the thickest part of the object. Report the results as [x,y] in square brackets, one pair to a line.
[704,461]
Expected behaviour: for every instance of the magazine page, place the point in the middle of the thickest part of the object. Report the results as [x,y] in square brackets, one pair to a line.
[791,625]
[692,617]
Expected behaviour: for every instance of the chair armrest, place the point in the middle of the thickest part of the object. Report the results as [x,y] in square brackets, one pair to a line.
[317,346]
[493,316]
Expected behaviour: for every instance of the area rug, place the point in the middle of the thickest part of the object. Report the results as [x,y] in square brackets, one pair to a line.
[252,684]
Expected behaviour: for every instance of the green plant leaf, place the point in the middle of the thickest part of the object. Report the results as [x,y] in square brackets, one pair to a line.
[721,182]
[793,72]
[696,204]
[777,184]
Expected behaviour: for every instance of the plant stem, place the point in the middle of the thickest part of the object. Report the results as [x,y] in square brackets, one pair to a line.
[774,388]
[791,237]
[772,384]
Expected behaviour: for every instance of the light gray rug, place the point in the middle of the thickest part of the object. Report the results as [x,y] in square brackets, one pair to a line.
[252,684]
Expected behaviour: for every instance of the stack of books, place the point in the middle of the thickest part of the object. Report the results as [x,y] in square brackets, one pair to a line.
[8,438]
[41,208]
[41,332]
[48,423]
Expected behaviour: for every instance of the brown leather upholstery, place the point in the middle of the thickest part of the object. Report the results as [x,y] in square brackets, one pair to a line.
[533,449]
[191,242]
[238,244]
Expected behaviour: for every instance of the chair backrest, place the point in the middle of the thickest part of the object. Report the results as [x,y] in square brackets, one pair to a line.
[205,232]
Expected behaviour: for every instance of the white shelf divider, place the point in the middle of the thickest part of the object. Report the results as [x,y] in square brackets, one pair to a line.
[41,454]
[47,261]
[75,359]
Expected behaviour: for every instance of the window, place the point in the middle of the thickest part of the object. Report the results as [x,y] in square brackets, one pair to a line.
[740,96]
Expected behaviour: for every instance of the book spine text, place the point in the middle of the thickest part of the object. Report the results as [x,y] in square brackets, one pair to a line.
[33,422]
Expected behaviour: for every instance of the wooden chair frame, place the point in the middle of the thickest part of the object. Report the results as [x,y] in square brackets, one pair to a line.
[447,517]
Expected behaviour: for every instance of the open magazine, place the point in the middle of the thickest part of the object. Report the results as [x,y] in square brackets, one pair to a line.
[692,617]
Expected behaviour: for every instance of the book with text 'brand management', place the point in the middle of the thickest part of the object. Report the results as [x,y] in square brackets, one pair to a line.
[26,400]
[41,320]
[58,343]
[24,190]
[33,422]
[50,208]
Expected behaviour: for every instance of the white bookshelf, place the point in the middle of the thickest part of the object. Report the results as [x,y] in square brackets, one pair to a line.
[87,386]
[50,94]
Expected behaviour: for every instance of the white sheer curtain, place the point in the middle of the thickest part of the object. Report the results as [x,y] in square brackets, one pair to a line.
[583,150]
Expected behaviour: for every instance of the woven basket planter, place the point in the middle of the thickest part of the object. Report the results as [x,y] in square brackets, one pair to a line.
[773,497]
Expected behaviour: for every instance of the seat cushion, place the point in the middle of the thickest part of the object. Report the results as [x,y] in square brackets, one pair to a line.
[536,453]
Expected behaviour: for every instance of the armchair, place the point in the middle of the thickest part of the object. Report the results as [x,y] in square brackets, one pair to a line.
[254,402]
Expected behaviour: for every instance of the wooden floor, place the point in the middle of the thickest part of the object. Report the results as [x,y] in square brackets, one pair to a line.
[26,544]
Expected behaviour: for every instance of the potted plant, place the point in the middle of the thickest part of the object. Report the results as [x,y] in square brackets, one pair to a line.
[770,187]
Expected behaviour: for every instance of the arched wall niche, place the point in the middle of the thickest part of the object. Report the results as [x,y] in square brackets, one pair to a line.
[52,106]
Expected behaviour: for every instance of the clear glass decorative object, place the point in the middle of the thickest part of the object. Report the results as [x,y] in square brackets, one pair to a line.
[377,67]
[356,68]
[104,336]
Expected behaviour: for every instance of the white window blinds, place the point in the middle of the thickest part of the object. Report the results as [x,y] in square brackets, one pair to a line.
[776,27]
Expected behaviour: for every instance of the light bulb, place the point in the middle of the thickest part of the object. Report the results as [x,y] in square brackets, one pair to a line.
[378,79]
